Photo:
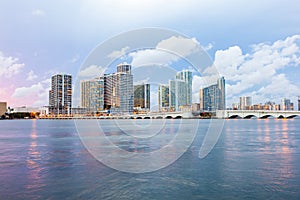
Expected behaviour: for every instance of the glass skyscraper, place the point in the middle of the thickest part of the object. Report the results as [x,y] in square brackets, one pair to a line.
[142,96]
[212,98]
[181,90]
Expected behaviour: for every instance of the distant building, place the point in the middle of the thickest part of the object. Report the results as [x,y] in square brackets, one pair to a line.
[286,104]
[60,95]
[78,111]
[142,96]
[271,106]
[195,107]
[298,103]
[235,106]
[3,108]
[245,103]
[163,98]
[24,109]
[92,95]
[118,90]
[212,98]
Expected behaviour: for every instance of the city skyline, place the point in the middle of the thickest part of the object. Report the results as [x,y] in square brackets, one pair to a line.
[257,54]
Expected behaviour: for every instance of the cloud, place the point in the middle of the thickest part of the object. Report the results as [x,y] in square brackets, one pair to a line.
[207,47]
[31,76]
[74,59]
[117,54]
[151,56]
[166,51]
[24,92]
[38,12]
[179,45]
[275,88]
[9,66]
[92,71]
[260,71]
[35,95]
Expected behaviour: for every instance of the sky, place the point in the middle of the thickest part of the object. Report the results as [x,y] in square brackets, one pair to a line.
[255,45]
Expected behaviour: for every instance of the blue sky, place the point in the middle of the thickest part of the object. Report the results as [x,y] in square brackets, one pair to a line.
[254,44]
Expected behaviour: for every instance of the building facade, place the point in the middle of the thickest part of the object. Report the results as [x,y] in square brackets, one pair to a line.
[3,108]
[163,98]
[212,98]
[60,95]
[142,96]
[186,76]
[181,90]
[92,95]
[286,104]
[245,103]
[118,90]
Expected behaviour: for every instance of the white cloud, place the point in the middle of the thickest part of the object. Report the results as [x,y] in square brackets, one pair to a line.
[74,59]
[9,66]
[35,95]
[24,92]
[92,71]
[151,56]
[179,45]
[280,86]
[31,76]
[263,68]
[38,12]
[117,54]
[166,51]
[207,47]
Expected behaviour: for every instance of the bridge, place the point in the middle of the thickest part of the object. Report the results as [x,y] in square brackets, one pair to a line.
[262,114]
[150,115]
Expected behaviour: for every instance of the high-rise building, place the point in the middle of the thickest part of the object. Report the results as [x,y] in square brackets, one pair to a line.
[187,77]
[212,98]
[245,103]
[92,95]
[163,98]
[178,94]
[142,96]
[118,90]
[181,90]
[286,104]
[60,95]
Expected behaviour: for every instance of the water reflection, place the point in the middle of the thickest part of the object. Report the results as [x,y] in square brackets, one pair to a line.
[280,161]
[33,161]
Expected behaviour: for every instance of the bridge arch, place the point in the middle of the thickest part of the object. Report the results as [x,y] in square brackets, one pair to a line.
[291,116]
[249,116]
[265,116]
[234,117]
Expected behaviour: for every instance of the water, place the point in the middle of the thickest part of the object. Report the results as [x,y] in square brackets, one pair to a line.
[253,159]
